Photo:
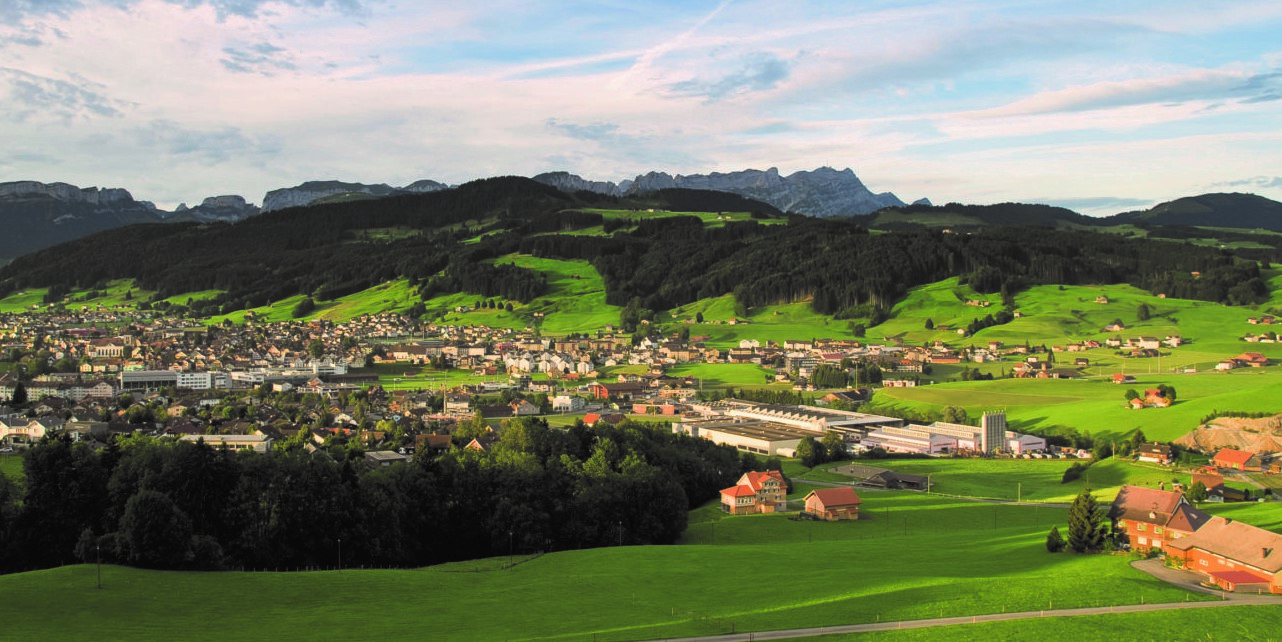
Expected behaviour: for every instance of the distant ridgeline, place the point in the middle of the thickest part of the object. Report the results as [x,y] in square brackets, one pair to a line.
[449,241]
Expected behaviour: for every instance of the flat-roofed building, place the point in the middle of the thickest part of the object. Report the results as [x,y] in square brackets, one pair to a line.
[909,440]
[761,437]
[148,379]
[815,421]
[256,443]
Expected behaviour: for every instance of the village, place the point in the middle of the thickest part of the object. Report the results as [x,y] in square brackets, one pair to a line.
[104,371]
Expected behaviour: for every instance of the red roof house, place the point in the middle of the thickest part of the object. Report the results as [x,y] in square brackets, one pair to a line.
[1236,460]
[833,504]
[1150,519]
[1233,555]
[756,492]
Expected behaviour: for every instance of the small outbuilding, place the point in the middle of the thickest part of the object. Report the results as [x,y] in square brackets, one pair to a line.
[833,504]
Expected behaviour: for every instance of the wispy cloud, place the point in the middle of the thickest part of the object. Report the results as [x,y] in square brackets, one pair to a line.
[1255,182]
[33,98]
[208,146]
[262,58]
[759,72]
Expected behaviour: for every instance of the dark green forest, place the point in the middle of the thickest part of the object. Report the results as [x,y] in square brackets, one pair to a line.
[183,505]
[457,239]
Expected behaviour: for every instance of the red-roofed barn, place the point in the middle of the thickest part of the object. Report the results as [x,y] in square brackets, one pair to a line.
[833,504]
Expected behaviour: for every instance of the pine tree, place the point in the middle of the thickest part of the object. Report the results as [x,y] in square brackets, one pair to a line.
[19,394]
[1085,532]
[1054,541]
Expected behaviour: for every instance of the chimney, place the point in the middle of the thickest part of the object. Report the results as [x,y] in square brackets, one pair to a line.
[1267,550]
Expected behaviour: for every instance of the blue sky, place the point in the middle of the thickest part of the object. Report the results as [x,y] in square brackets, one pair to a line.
[1102,107]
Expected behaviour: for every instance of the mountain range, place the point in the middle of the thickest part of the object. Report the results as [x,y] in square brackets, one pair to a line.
[37,215]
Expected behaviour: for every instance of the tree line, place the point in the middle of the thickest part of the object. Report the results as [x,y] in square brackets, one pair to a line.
[185,505]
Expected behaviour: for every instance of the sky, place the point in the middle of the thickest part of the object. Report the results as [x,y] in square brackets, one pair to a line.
[1099,107]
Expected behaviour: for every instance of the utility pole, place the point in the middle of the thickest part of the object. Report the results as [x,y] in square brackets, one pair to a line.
[340,555]
[98,549]
[1019,492]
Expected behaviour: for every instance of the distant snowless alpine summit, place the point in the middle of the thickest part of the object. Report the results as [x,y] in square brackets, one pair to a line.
[822,192]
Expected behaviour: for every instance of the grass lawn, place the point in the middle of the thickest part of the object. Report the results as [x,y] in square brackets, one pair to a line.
[965,558]
[11,466]
[727,374]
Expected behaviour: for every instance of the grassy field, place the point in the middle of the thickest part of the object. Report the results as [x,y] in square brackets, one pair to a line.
[11,466]
[1227,623]
[1097,405]
[966,558]
[1028,480]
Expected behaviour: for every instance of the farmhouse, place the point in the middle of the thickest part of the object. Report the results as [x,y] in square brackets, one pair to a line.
[1149,519]
[1232,555]
[1155,453]
[833,504]
[756,492]
[1237,460]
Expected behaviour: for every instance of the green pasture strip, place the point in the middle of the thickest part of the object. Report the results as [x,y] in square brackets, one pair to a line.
[965,558]
[1221,623]
[1098,405]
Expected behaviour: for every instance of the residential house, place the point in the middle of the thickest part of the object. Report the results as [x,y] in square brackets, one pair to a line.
[1149,519]
[1232,555]
[383,458]
[833,504]
[1155,453]
[756,492]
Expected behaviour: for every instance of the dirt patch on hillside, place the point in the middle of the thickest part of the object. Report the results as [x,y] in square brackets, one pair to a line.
[1252,435]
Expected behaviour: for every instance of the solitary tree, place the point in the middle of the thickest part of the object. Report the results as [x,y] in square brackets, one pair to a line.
[1085,531]
[19,394]
[930,324]
[834,445]
[1198,492]
[1143,312]
[1054,541]
[316,348]
[808,451]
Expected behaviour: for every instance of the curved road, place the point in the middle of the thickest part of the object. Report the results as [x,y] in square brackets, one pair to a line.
[1154,567]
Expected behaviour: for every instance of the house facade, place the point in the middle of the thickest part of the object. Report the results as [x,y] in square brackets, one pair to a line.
[1150,519]
[1233,555]
[833,504]
[756,492]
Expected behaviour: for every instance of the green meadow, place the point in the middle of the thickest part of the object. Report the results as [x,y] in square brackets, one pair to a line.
[912,557]
[1220,623]
[11,466]
[1027,480]
[1098,405]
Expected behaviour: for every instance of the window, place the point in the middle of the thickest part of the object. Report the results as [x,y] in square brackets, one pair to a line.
[1158,530]
[1143,541]
[1141,527]
[1202,562]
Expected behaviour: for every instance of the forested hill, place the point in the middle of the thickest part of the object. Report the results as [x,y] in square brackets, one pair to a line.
[1246,211]
[958,216]
[454,241]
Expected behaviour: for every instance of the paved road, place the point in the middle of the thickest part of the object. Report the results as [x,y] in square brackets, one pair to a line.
[1154,567]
